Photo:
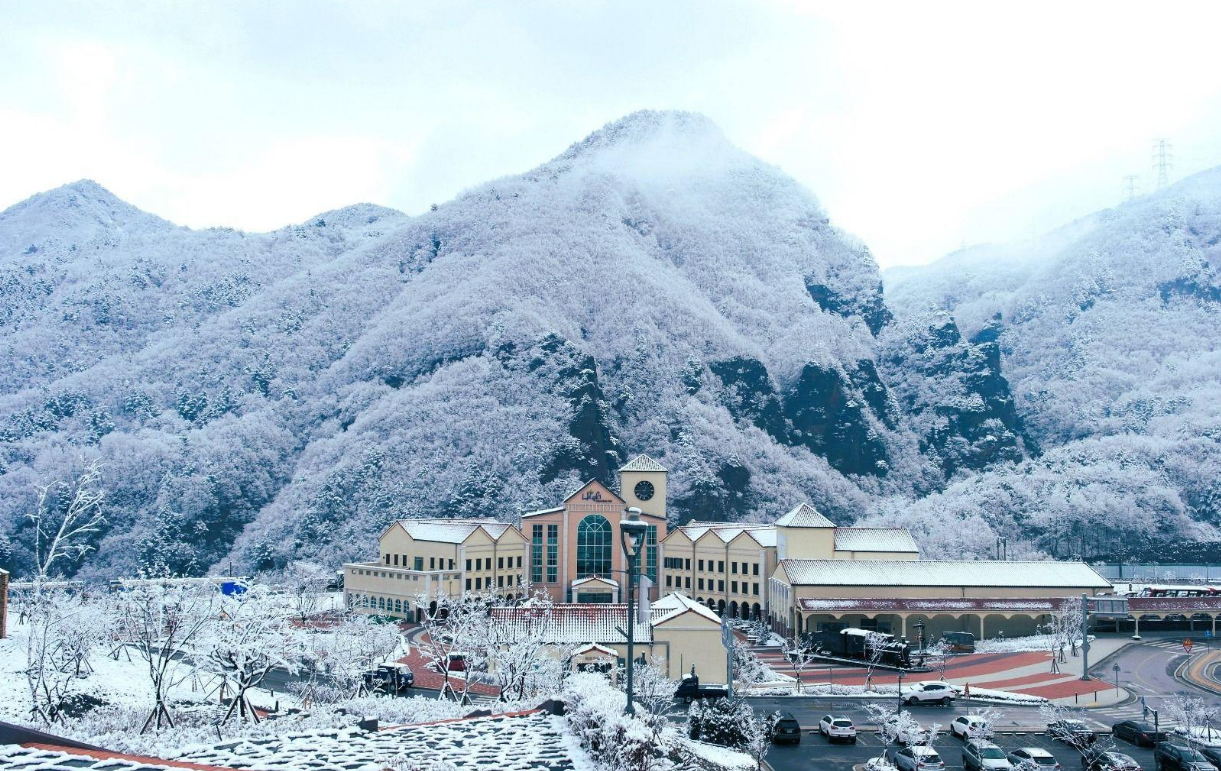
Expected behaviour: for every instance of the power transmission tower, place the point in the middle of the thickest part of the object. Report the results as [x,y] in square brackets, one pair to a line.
[1131,187]
[1163,161]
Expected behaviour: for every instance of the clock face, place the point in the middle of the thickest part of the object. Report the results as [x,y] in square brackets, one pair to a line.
[644,490]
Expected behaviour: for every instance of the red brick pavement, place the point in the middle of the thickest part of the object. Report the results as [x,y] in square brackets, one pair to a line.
[427,677]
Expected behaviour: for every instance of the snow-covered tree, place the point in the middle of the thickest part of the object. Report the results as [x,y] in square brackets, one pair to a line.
[306,583]
[799,657]
[61,632]
[67,514]
[161,621]
[252,637]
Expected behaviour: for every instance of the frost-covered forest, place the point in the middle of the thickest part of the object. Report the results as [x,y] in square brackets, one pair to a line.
[263,397]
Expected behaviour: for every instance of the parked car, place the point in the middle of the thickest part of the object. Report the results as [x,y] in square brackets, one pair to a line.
[390,678]
[916,758]
[968,727]
[959,642]
[1074,733]
[689,689]
[912,735]
[983,755]
[785,729]
[1033,756]
[934,692]
[837,728]
[1213,754]
[1176,757]
[1108,761]
[1138,732]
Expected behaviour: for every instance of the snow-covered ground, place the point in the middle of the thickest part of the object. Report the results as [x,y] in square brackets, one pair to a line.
[1035,642]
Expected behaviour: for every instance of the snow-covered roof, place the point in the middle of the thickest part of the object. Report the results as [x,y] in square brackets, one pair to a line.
[674,605]
[804,515]
[935,605]
[874,539]
[595,579]
[511,742]
[765,535]
[451,530]
[536,512]
[577,622]
[595,648]
[642,462]
[980,573]
[49,757]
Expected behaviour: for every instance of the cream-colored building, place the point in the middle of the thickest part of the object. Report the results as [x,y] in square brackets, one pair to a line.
[727,565]
[675,631]
[430,558]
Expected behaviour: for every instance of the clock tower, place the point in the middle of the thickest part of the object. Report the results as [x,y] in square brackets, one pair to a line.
[642,483]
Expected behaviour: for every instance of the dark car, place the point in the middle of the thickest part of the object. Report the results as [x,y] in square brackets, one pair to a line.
[689,689]
[784,729]
[1213,754]
[1108,761]
[1074,733]
[1176,757]
[389,678]
[1136,732]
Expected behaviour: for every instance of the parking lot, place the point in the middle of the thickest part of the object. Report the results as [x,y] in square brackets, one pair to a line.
[815,752]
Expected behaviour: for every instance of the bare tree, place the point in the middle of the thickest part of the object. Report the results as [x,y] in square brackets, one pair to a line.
[341,653]
[1194,717]
[161,621]
[459,627]
[937,656]
[799,658]
[875,651]
[517,646]
[53,660]
[65,514]
[306,582]
[757,737]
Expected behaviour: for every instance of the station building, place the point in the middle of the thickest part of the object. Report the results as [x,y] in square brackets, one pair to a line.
[801,574]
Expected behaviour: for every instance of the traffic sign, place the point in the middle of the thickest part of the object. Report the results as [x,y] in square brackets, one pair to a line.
[1187,645]
[1208,633]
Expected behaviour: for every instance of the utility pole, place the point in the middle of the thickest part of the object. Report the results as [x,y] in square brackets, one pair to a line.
[1163,161]
[1085,636]
[1131,187]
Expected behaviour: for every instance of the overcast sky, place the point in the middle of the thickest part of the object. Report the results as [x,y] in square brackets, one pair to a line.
[920,130]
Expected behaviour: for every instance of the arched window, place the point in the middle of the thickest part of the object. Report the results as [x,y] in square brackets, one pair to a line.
[398,606]
[381,603]
[594,546]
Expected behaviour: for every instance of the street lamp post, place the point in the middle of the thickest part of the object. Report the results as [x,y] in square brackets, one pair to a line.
[631,534]
[899,706]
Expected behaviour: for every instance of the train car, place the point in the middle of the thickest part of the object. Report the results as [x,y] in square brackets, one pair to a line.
[861,644]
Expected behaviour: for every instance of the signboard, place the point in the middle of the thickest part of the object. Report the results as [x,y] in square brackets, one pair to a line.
[1109,607]
[1187,645]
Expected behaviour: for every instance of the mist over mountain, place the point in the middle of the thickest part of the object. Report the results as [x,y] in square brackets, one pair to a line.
[1108,331]
[262,397]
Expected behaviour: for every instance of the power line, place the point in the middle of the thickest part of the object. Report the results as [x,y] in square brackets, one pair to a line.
[1163,161]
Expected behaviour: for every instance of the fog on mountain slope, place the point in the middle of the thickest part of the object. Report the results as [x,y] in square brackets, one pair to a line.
[1108,332]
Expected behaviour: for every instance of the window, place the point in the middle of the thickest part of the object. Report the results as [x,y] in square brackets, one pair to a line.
[500,581]
[720,566]
[701,565]
[468,584]
[553,554]
[519,561]
[701,584]
[688,564]
[468,566]
[387,559]
[419,563]
[756,566]
[478,583]
[733,567]
[594,546]
[668,577]
[536,554]
[687,580]
[756,590]
[396,560]
[720,585]
[432,563]
[733,587]
[500,563]
[451,564]
[650,553]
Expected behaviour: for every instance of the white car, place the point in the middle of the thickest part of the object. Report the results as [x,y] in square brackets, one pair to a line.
[969,727]
[906,731]
[837,728]
[934,692]
[979,755]
[916,759]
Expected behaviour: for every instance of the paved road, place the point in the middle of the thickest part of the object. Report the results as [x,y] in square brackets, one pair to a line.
[815,752]
[809,711]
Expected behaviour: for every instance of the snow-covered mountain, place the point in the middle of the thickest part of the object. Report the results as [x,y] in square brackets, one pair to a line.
[259,397]
[1108,331]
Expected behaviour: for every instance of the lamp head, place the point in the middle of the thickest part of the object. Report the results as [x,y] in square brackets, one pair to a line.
[632,529]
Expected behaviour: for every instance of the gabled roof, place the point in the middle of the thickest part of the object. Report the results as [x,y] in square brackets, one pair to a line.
[595,579]
[613,498]
[896,539]
[974,573]
[643,462]
[674,605]
[764,535]
[595,648]
[804,515]
[450,530]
